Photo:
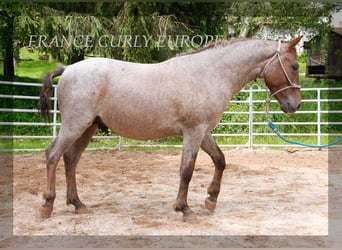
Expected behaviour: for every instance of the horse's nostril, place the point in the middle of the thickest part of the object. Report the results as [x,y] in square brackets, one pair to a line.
[298,106]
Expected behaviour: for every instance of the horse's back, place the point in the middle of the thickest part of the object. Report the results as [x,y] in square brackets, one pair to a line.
[128,97]
[140,101]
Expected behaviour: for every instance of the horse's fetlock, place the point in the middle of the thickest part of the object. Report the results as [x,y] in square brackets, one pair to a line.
[179,206]
[213,190]
[49,196]
[76,202]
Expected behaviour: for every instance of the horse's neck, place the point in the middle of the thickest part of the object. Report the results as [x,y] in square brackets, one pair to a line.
[240,62]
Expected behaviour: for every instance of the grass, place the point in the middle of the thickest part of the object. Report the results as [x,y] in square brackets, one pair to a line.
[168,143]
[35,68]
[30,68]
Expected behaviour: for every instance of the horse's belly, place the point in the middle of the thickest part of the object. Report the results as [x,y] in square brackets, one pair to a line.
[141,130]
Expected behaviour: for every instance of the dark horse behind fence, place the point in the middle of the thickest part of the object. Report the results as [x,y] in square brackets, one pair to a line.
[183,96]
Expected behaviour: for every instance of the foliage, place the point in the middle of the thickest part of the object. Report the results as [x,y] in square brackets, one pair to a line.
[17,19]
[95,19]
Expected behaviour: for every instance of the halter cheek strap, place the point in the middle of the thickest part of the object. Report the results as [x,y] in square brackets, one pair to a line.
[277,55]
[291,84]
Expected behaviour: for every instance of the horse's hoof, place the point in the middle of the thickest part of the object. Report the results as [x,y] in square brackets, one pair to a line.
[190,218]
[210,205]
[81,210]
[45,212]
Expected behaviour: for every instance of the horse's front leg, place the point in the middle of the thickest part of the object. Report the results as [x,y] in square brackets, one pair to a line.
[210,147]
[191,142]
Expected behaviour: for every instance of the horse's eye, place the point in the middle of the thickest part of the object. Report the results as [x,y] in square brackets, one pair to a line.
[295,67]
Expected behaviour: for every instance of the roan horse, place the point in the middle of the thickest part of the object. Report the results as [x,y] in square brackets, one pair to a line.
[183,96]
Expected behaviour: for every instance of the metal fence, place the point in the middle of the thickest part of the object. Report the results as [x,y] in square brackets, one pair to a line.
[243,124]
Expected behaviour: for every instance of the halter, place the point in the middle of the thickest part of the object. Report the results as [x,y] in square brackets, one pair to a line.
[268,100]
[292,84]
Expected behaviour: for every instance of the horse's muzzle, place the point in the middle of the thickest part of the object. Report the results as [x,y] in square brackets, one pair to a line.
[290,108]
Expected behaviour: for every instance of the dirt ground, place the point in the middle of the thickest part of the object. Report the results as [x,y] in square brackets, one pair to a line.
[128,193]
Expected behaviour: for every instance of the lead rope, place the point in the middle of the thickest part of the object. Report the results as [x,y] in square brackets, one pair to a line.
[268,101]
[277,132]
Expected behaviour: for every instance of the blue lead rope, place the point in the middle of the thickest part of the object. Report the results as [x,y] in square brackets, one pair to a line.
[276,131]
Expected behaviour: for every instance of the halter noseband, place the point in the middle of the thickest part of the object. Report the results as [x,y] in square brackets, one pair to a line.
[292,84]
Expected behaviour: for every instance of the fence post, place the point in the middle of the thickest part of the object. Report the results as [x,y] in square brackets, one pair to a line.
[318,116]
[251,114]
[120,143]
[250,118]
[54,125]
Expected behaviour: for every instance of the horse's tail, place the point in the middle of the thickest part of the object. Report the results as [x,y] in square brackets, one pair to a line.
[45,93]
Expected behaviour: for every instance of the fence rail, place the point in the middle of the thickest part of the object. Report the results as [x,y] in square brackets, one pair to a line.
[249,116]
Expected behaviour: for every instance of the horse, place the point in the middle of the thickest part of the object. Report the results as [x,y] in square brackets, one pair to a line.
[182,96]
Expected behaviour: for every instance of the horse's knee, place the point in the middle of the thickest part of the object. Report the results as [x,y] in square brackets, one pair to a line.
[219,160]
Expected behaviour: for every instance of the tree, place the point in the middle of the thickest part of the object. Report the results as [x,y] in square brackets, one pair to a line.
[247,18]
[70,37]
[145,19]
[16,21]
[7,16]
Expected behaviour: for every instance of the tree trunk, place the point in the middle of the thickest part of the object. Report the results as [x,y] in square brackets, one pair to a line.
[8,57]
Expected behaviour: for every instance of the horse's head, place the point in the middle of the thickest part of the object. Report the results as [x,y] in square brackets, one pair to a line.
[282,77]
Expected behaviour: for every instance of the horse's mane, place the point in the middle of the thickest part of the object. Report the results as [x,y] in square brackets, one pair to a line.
[221,43]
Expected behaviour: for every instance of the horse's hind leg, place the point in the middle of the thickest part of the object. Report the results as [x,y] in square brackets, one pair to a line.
[71,158]
[50,193]
[210,147]
[53,153]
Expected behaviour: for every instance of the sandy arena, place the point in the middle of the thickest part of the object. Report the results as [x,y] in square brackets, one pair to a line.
[264,192]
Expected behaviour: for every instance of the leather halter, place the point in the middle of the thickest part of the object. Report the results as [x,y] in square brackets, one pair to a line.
[292,84]
[277,55]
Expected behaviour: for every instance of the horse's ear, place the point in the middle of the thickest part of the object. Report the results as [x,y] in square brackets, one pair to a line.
[294,42]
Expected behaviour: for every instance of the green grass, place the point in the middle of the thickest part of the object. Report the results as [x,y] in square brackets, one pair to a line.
[30,68]
[34,69]
[171,142]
